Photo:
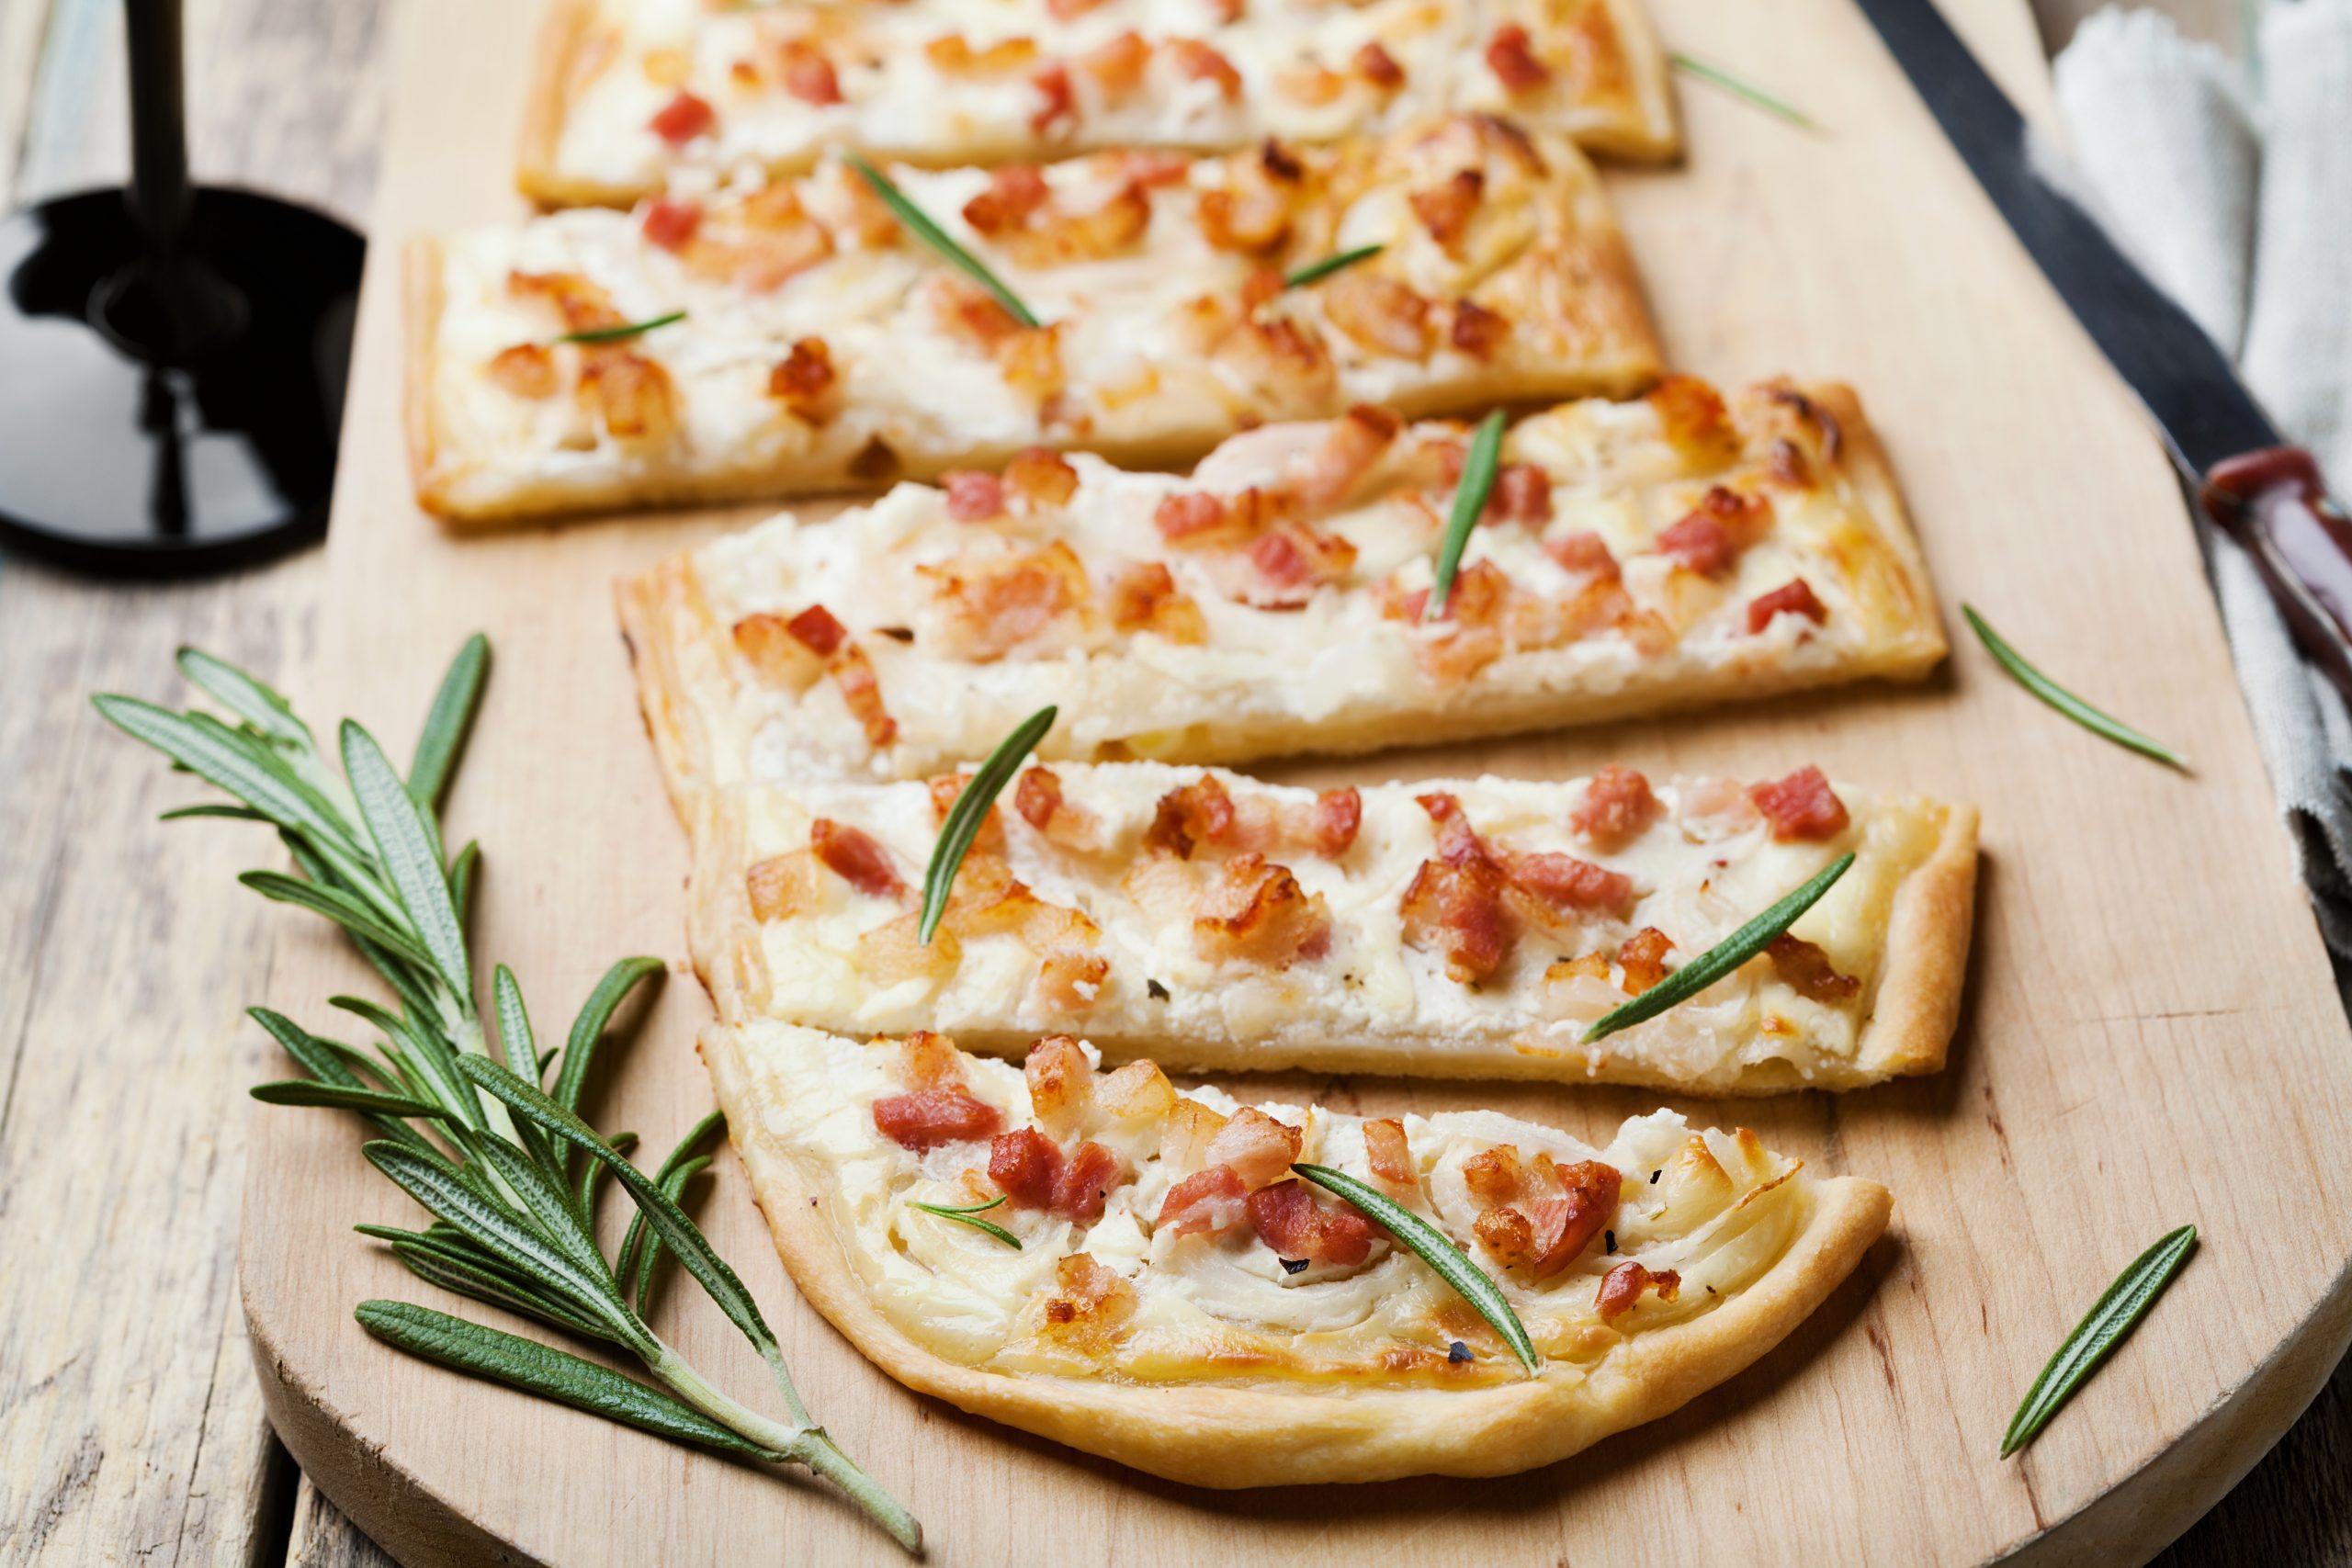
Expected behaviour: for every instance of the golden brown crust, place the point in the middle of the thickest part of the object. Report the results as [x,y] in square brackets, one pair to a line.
[1235,1437]
[1656,137]
[422,299]
[1915,643]
[1928,935]
[547,103]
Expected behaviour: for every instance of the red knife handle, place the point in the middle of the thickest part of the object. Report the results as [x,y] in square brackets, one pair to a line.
[2275,503]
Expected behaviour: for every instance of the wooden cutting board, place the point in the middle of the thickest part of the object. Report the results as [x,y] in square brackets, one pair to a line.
[2151,1036]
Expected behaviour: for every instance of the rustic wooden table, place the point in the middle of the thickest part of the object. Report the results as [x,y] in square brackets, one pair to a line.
[131,1427]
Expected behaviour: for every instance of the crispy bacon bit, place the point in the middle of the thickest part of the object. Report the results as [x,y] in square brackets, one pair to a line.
[1188,516]
[1194,814]
[854,855]
[1061,1083]
[1381,313]
[670,223]
[1056,110]
[929,1061]
[585,305]
[1377,66]
[1805,966]
[929,1118]
[1643,958]
[1041,477]
[1699,543]
[808,74]
[972,496]
[682,118]
[1795,597]
[1494,1175]
[806,381]
[1014,192]
[1053,238]
[1458,910]
[861,692]
[1522,493]
[1255,1146]
[1469,902]
[1802,806]
[1212,1200]
[1334,820]
[1356,440]
[1616,807]
[1567,884]
[1585,554]
[1256,912]
[1143,597]
[1026,1167]
[1514,61]
[1623,1286]
[1390,1156]
[1290,1221]
[1199,63]
[1506,1233]
[1446,211]
[781,658]
[818,631]
[1087,1178]
[1117,65]
[1293,562]
[527,370]
[1477,331]
[993,605]
[1568,1222]
[1786,463]
[1038,798]
[779,887]
[1094,1305]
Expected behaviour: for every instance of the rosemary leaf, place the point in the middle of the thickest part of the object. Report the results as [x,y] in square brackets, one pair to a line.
[236,813]
[628,330]
[549,1373]
[463,1277]
[673,1188]
[1723,957]
[966,1215]
[2117,1313]
[405,845]
[2065,701]
[1432,1246]
[253,701]
[588,1029]
[451,715]
[521,1051]
[678,1156]
[339,907]
[461,882]
[1477,482]
[309,1091]
[214,754]
[594,1174]
[1317,271]
[918,223]
[971,809]
[1716,77]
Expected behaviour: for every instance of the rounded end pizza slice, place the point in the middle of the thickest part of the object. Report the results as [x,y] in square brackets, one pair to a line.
[1141,1272]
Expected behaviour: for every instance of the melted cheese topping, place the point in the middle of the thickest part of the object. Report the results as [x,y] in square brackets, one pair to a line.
[1296,62]
[1221,1308]
[1706,865]
[1342,669]
[1154,350]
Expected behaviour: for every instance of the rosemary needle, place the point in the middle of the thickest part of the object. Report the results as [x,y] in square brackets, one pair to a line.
[969,1215]
[628,330]
[1315,271]
[2065,701]
[1716,77]
[1477,482]
[2114,1315]
[919,223]
[971,809]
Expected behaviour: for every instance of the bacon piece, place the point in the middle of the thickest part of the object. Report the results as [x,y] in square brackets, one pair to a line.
[930,1118]
[818,631]
[1014,192]
[1805,966]
[1061,1083]
[1786,464]
[1027,1165]
[1446,210]
[1522,493]
[1356,440]
[1802,806]
[1191,815]
[1188,516]
[682,118]
[1494,1175]
[1377,66]
[1143,597]
[527,370]
[927,1060]
[1513,62]
[632,395]
[1569,1220]
[1586,554]
[806,381]
[1477,331]
[1457,910]
[1257,913]
[1616,807]
[1699,543]
[1334,820]
[1794,597]
[781,658]
[1087,1178]
[1289,1220]
[1256,1147]
[670,223]
[1381,313]
[780,885]
[1385,1149]
[1038,798]
[854,855]
[1117,65]
[957,58]
[972,496]
[1053,238]
[585,306]
[1292,562]
[808,74]
[1623,1286]
[1057,109]
[1643,958]
[1199,63]
[1093,1306]
[861,692]
[991,606]
[1566,884]
[1212,1201]
[1041,477]
[1281,362]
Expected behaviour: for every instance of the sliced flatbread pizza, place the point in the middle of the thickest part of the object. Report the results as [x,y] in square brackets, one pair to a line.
[1463,930]
[809,341]
[628,92]
[1166,1292]
[1635,557]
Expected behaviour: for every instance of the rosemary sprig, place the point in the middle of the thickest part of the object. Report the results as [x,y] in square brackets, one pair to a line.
[971,809]
[1315,271]
[1430,1246]
[1477,482]
[1714,75]
[627,330]
[965,1215]
[1723,957]
[2065,701]
[918,223]
[2117,1313]
[493,1157]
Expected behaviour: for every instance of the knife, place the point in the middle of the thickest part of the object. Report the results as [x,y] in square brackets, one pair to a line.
[2264,491]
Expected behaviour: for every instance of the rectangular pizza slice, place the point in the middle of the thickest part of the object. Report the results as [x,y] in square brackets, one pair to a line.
[1471,929]
[629,92]
[808,342]
[1635,557]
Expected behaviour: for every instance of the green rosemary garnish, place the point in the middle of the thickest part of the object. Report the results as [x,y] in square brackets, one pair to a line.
[493,1157]
[965,1217]
[1717,76]
[629,329]
[1315,271]
[2116,1314]
[971,809]
[1431,1246]
[2065,701]
[920,224]
[1477,482]
[1723,957]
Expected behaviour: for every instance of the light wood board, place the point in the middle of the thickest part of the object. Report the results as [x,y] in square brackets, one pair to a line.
[2151,1035]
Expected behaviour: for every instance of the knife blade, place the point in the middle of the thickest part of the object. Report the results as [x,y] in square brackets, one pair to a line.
[2264,491]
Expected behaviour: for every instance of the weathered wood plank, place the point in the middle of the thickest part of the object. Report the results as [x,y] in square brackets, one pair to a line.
[323,1537]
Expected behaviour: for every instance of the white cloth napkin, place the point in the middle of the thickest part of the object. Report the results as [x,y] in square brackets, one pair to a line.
[2232,187]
